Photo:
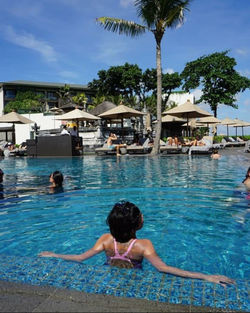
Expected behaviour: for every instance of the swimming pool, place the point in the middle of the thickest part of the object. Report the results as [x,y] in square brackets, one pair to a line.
[194,212]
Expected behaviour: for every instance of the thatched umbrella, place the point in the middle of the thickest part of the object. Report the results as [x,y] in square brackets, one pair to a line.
[121,112]
[172,119]
[77,115]
[187,110]
[56,111]
[15,118]
[227,121]
[240,123]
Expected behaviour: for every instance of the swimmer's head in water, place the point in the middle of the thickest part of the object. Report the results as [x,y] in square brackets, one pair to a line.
[124,220]
[57,178]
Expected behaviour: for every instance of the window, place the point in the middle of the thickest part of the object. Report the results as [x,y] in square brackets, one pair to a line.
[51,95]
[10,93]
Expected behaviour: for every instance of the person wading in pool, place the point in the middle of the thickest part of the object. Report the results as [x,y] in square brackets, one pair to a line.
[246,180]
[56,180]
[124,250]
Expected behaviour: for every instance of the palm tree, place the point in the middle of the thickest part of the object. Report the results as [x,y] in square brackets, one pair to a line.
[156,15]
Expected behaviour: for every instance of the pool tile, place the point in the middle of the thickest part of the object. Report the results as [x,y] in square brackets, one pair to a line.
[125,283]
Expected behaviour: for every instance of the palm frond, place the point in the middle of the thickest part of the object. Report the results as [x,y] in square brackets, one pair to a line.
[121,26]
[167,13]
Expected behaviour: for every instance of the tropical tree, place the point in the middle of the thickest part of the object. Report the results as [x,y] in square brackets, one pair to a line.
[219,81]
[63,95]
[119,80]
[157,15]
[80,99]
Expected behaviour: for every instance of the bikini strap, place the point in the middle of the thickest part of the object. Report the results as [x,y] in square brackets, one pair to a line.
[129,248]
[115,247]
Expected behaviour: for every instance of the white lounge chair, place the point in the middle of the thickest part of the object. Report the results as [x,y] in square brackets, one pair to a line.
[247,146]
[144,149]
[206,149]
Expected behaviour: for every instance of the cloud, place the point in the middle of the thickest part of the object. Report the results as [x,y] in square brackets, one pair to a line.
[68,74]
[168,71]
[25,9]
[245,72]
[111,54]
[197,94]
[28,41]
[247,102]
[126,3]
[241,51]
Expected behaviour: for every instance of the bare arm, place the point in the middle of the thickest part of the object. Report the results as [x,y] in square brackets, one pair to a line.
[156,261]
[97,248]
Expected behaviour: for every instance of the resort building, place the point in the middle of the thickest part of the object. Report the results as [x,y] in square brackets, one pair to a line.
[50,99]
[49,91]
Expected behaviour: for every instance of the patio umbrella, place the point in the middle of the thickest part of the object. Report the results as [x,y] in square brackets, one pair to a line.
[77,115]
[55,110]
[187,110]
[15,118]
[121,112]
[240,123]
[227,121]
[171,119]
[209,120]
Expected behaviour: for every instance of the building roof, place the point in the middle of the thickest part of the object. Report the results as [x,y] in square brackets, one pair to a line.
[42,84]
[103,107]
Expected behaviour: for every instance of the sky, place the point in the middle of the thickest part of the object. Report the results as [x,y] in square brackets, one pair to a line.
[60,41]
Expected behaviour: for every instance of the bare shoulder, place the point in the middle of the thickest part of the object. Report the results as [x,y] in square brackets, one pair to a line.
[144,242]
[106,237]
[145,246]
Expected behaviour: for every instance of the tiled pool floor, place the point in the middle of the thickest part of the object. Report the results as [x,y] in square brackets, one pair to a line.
[124,283]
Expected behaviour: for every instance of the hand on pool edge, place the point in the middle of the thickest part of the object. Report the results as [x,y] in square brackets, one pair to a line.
[220,279]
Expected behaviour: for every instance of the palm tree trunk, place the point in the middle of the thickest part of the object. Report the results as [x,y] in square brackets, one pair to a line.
[156,147]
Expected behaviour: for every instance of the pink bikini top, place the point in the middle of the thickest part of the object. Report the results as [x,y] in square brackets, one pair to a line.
[124,256]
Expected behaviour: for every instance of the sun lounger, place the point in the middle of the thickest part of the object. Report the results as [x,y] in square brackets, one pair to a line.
[231,142]
[105,150]
[167,149]
[247,146]
[144,149]
[206,149]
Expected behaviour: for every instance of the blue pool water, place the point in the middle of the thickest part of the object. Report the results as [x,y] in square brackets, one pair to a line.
[195,212]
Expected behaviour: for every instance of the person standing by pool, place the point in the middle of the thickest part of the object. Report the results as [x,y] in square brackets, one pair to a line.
[112,146]
[124,250]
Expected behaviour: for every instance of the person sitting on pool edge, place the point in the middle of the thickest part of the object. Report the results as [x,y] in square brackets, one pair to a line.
[124,250]
[112,137]
[56,179]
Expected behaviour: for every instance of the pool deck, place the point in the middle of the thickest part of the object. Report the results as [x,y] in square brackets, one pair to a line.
[17,297]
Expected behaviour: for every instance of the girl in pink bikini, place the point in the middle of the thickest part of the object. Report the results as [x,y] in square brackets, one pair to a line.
[124,250]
